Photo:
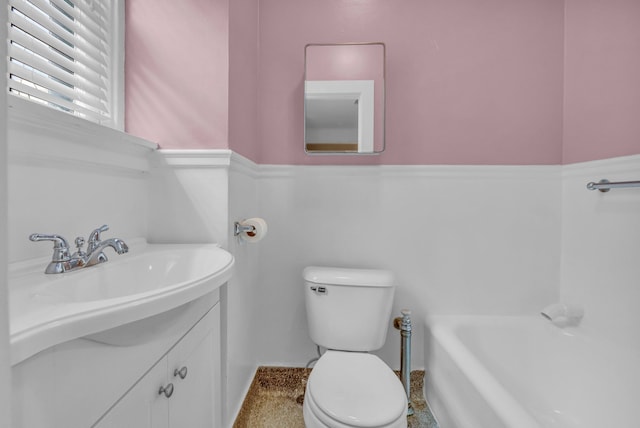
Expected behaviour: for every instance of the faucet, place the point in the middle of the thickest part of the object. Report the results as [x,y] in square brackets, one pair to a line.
[62,259]
[97,256]
[563,314]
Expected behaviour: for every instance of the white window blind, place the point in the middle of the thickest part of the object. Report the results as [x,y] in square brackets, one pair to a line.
[61,54]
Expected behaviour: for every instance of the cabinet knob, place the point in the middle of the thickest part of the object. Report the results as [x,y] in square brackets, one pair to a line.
[181,372]
[166,390]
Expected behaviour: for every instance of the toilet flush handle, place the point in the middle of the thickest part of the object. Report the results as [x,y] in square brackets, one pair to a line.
[319,289]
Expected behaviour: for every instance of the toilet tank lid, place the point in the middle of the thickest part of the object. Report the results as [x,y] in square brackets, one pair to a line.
[347,276]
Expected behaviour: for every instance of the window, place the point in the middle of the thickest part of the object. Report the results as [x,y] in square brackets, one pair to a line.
[66,54]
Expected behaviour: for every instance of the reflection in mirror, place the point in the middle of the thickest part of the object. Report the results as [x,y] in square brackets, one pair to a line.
[344,98]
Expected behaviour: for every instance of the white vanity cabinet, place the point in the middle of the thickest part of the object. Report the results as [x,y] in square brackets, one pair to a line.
[113,378]
[194,370]
[140,408]
[178,391]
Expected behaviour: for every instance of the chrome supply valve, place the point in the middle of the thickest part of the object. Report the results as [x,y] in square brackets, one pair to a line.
[404,325]
[62,259]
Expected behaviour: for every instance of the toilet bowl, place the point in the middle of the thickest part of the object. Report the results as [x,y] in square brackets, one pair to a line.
[354,389]
[348,313]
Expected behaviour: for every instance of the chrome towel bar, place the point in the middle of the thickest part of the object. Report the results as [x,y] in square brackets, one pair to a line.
[606,185]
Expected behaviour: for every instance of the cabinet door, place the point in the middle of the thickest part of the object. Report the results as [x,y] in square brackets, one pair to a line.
[194,370]
[142,406]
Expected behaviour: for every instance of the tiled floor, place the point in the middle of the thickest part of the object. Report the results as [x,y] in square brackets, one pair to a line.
[275,400]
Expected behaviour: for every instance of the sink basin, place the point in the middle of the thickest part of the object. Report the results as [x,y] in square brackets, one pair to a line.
[46,310]
[155,270]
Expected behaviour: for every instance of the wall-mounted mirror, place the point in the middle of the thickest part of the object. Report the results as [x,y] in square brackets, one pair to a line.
[344,98]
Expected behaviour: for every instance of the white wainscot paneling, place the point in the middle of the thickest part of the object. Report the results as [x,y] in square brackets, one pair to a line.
[189,196]
[601,243]
[242,356]
[460,239]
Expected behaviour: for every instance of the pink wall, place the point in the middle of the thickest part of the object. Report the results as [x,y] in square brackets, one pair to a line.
[602,79]
[243,77]
[177,72]
[327,62]
[468,82]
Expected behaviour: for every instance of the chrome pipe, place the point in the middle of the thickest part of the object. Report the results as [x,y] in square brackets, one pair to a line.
[404,325]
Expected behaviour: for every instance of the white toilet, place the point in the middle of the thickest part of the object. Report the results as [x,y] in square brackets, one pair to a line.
[348,312]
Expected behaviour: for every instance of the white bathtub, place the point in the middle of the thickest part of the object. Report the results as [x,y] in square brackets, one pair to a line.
[523,372]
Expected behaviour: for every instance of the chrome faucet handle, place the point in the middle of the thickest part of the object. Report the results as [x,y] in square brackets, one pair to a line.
[60,246]
[79,243]
[94,237]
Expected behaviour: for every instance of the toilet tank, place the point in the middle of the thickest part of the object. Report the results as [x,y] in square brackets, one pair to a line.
[348,309]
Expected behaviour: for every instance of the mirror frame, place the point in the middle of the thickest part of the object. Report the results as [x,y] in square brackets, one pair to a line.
[343,87]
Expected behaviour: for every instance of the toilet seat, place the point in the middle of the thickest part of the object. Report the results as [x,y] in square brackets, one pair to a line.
[354,389]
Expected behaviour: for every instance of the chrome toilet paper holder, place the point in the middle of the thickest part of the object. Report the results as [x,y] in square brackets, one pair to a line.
[250,230]
[239,228]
